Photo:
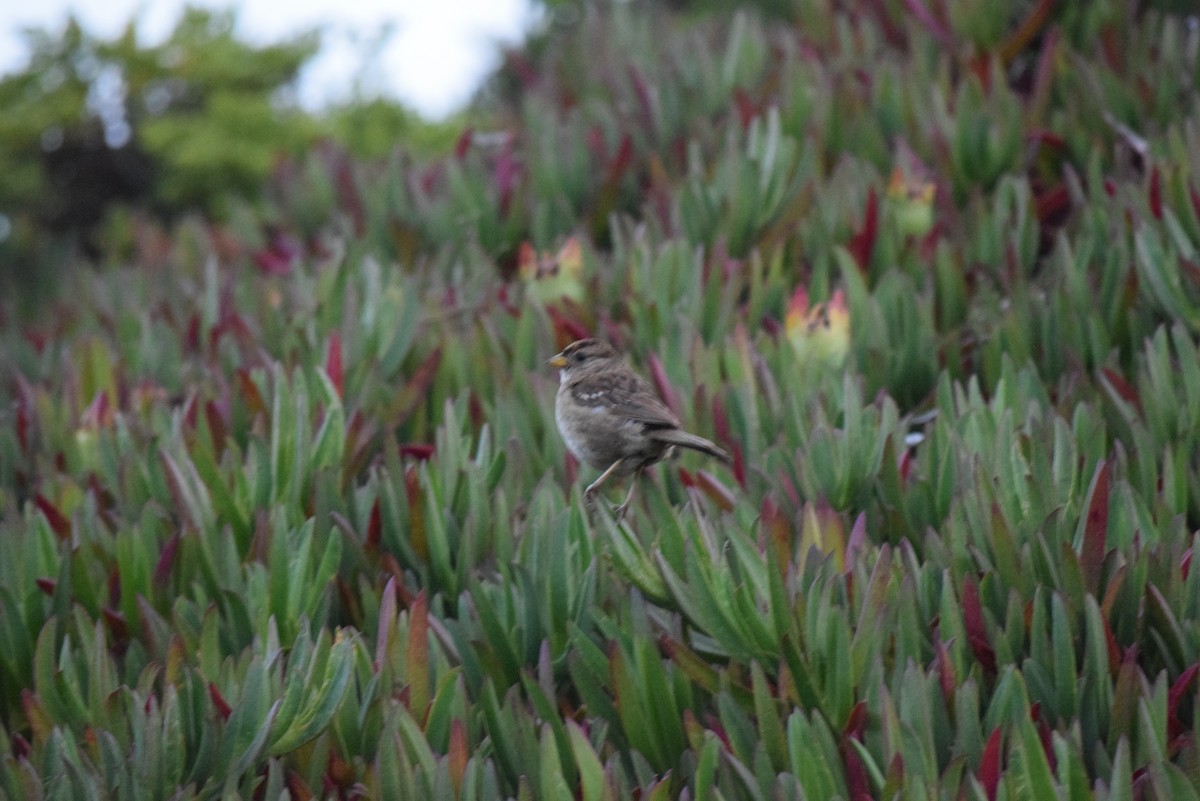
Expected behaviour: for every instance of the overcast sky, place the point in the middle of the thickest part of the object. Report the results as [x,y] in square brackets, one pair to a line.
[435,56]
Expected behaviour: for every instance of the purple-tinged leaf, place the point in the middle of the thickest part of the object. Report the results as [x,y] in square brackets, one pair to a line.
[1177,694]
[1123,389]
[945,671]
[417,657]
[1154,193]
[975,626]
[333,362]
[937,29]
[421,451]
[989,765]
[1095,530]
[387,622]
[59,523]
[223,708]
[463,144]
[862,244]
[459,754]
[165,566]
[662,384]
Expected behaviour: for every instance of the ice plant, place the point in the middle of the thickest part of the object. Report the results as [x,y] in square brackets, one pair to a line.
[550,277]
[820,332]
[910,194]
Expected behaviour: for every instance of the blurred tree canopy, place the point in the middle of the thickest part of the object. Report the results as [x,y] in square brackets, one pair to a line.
[188,124]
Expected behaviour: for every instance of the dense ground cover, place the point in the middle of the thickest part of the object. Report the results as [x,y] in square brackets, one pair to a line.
[283,507]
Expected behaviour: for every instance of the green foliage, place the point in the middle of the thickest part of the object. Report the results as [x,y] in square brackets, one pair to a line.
[284,508]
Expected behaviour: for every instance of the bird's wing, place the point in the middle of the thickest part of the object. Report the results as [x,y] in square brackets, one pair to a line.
[628,397]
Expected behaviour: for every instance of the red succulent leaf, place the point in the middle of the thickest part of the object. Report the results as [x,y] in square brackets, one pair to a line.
[1155,193]
[980,66]
[1122,387]
[937,29]
[349,197]
[23,424]
[976,628]
[597,143]
[417,388]
[1095,531]
[1043,730]
[662,384]
[374,526]
[57,520]
[858,785]
[989,765]
[1049,139]
[115,621]
[463,144]
[505,175]
[421,451]
[720,420]
[459,754]
[250,394]
[1114,650]
[621,161]
[166,560]
[567,329]
[1178,692]
[189,412]
[191,336]
[99,413]
[746,108]
[280,255]
[739,464]
[945,671]
[333,362]
[645,101]
[778,530]
[46,585]
[856,721]
[114,586]
[685,477]
[863,243]
[215,418]
[223,709]
[720,494]
[1051,205]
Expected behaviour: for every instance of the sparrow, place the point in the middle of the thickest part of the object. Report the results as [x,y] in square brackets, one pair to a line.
[611,418]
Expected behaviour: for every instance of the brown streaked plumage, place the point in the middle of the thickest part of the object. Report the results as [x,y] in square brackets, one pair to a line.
[611,419]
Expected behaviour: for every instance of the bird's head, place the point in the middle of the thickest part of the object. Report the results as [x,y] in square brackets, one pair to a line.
[582,352]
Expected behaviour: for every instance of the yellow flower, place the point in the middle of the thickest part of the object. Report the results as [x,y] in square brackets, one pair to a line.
[551,277]
[820,333]
[910,194]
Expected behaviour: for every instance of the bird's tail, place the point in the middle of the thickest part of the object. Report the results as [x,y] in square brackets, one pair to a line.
[675,436]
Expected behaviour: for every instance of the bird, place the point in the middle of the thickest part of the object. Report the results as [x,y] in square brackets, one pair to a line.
[610,417]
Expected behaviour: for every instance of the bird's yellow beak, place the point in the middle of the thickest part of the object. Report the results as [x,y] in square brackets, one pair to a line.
[558,361]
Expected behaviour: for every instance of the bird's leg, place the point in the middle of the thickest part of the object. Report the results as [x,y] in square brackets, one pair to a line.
[620,512]
[595,485]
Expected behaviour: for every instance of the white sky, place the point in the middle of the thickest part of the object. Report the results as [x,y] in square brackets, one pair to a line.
[435,56]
